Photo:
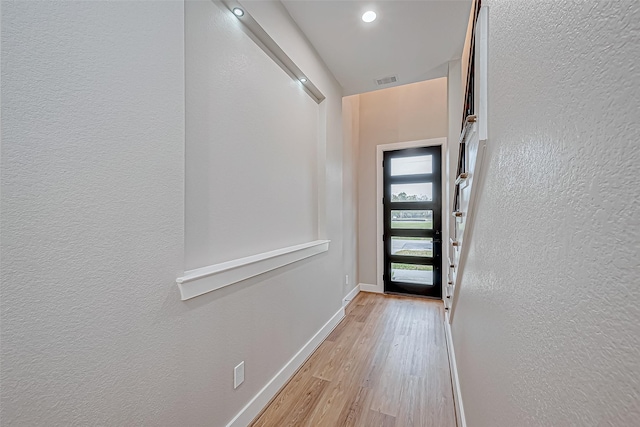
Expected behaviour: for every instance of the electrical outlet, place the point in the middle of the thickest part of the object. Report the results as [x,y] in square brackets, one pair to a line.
[238,375]
[346,279]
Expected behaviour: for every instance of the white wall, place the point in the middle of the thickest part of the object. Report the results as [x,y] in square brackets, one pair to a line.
[93,329]
[547,327]
[252,142]
[351,138]
[92,214]
[404,113]
[277,22]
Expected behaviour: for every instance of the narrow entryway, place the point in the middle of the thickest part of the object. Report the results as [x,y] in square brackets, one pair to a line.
[385,364]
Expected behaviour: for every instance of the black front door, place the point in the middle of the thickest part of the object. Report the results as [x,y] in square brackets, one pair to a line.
[412,221]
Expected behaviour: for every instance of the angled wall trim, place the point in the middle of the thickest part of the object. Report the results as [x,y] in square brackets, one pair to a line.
[206,279]
[275,52]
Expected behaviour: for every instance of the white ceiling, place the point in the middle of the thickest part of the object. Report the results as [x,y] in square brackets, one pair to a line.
[411,39]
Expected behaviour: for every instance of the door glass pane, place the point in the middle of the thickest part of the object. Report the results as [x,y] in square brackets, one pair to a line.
[412,273]
[405,219]
[411,165]
[419,192]
[412,246]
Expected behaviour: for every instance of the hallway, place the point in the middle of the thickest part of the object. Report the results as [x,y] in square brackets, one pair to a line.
[191,190]
[385,364]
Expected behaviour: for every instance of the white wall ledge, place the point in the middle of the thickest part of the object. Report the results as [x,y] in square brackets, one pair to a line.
[206,279]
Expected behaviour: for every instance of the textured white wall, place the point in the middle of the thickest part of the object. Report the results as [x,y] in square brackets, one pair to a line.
[547,330]
[92,213]
[404,113]
[93,329]
[251,147]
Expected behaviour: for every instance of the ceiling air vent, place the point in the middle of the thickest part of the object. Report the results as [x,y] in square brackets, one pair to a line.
[386,80]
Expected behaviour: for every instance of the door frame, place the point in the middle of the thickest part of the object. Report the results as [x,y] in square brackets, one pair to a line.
[380,149]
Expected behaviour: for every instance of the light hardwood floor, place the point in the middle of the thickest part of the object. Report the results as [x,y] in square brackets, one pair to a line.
[385,365]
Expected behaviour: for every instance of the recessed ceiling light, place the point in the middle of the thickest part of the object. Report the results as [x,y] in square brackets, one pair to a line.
[238,12]
[369,16]
[303,79]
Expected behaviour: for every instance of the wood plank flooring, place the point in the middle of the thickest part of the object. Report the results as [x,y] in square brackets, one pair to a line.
[384,365]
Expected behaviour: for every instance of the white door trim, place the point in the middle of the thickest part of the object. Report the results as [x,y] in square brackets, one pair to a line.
[380,149]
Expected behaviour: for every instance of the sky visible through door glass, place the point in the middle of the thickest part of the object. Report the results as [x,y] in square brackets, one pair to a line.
[411,165]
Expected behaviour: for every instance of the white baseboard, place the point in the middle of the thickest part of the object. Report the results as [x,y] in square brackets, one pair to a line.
[351,295]
[457,396]
[264,396]
[365,287]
